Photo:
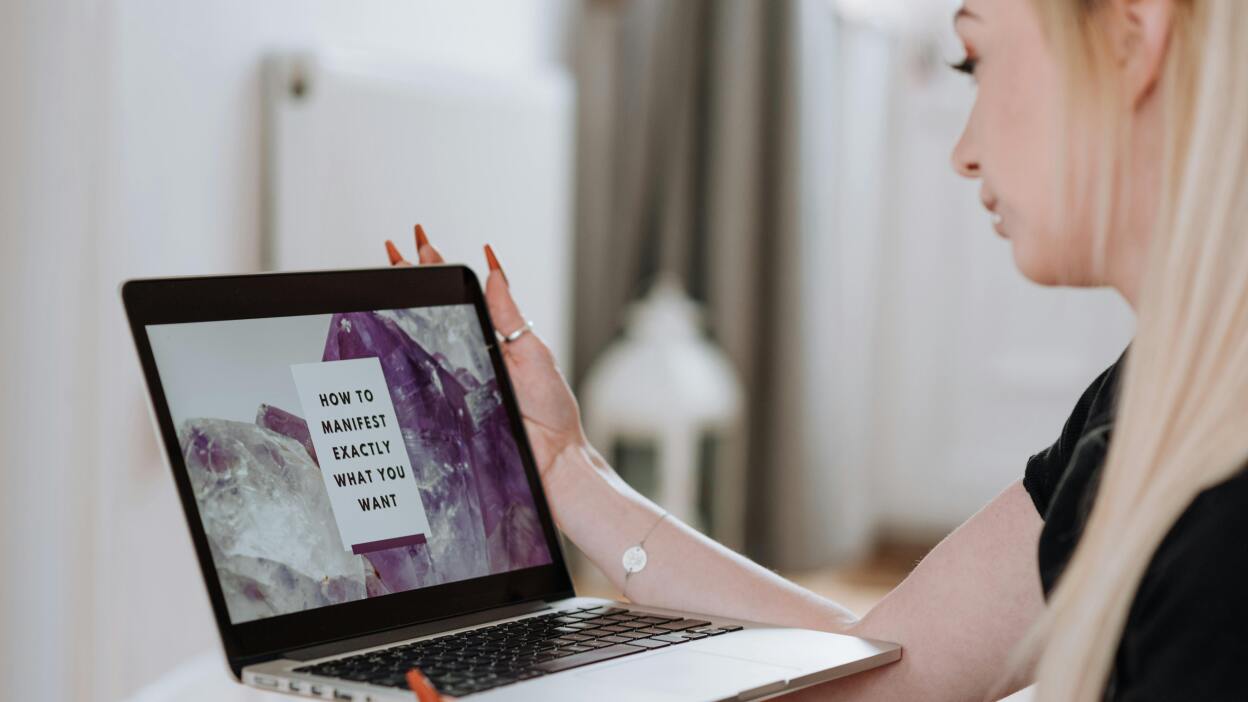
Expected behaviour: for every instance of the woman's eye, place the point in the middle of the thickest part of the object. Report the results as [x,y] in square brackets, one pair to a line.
[966,65]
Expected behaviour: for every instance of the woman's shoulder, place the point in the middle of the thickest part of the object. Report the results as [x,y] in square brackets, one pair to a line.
[1092,417]
[1188,624]
[1212,532]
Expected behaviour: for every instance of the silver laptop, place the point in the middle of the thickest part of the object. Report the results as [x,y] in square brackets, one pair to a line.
[363,501]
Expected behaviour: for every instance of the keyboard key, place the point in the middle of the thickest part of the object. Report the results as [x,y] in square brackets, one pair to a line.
[601,631]
[592,656]
[632,625]
[652,619]
[528,674]
[480,659]
[650,643]
[681,624]
[603,610]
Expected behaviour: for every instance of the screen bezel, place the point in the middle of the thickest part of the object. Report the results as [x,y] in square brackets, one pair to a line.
[218,298]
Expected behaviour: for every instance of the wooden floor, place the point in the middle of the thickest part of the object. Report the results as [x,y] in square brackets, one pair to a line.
[860,586]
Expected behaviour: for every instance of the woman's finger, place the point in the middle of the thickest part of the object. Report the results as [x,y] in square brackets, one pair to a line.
[396,258]
[503,308]
[425,252]
[508,319]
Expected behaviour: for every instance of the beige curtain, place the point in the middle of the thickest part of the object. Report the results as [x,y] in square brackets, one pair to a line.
[686,164]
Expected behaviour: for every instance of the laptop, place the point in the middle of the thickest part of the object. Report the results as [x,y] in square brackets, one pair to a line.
[363,500]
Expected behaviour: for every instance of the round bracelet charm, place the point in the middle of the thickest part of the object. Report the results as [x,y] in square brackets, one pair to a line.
[634,559]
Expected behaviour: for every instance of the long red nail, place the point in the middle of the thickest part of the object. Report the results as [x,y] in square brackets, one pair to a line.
[393,252]
[492,260]
[424,689]
[421,239]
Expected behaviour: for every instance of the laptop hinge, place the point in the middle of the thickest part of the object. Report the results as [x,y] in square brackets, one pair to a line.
[410,632]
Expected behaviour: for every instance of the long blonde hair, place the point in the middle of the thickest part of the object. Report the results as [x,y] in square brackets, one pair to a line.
[1183,407]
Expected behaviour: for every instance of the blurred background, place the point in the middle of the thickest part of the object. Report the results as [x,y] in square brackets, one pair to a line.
[734,221]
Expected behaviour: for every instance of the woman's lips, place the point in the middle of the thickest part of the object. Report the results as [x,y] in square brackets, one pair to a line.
[990,204]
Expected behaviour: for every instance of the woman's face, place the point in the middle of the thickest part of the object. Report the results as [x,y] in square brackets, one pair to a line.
[1014,140]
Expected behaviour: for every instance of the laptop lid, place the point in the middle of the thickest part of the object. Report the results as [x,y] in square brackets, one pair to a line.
[347,449]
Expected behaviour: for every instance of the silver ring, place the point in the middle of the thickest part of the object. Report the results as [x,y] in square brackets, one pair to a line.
[524,329]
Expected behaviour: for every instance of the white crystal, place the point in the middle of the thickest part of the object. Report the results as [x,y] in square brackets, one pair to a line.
[267,517]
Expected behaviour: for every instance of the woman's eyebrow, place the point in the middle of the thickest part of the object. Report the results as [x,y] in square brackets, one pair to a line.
[964,13]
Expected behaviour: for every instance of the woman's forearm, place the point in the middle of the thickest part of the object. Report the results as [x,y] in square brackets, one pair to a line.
[958,616]
[685,570]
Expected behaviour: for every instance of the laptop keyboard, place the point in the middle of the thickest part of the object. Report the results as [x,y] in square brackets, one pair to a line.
[472,661]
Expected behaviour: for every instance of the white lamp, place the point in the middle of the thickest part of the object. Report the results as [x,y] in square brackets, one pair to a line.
[668,390]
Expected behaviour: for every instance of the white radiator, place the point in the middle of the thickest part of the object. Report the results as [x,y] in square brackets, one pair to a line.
[361,147]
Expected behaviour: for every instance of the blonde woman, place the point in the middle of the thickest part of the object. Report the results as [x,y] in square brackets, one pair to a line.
[1111,141]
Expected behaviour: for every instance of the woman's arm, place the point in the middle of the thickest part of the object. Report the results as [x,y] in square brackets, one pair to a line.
[604,516]
[957,616]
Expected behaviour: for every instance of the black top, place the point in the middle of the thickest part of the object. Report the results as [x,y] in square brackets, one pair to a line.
[1186,636]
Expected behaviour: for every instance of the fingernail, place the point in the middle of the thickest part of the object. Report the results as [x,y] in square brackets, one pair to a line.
[393,252]
[421,239]
[492,260]
[420,685]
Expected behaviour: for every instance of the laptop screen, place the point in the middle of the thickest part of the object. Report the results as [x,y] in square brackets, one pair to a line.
[339,457]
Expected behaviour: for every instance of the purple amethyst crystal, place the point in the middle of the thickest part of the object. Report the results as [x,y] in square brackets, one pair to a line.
[263,501]
[286,424]
[476,495]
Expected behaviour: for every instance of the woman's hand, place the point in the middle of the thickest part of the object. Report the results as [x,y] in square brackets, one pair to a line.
[551,416]
[605,517]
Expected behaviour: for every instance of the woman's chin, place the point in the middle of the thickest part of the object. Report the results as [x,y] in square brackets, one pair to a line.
[1034,264]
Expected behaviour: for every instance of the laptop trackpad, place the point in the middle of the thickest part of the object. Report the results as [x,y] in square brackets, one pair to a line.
[690,673]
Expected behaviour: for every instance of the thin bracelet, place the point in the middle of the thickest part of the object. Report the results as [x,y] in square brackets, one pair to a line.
[634,559]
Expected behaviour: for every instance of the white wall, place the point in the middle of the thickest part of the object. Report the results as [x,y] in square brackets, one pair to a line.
[131,134]
[48,145]
[951,368]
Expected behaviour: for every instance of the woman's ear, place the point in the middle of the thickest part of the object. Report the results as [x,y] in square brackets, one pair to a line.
[1141,34]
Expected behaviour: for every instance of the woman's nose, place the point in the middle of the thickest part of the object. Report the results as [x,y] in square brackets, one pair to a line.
[965,163]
